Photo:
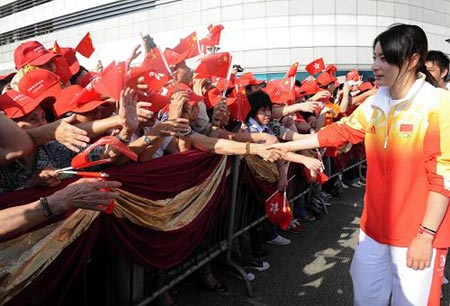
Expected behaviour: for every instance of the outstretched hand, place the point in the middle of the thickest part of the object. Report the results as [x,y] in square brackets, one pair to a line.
[127,112]
[86,193]
[70,136]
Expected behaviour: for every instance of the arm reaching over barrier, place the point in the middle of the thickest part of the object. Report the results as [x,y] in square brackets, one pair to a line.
[84,194]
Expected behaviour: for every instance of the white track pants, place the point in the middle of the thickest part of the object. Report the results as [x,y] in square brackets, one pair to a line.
[379,270]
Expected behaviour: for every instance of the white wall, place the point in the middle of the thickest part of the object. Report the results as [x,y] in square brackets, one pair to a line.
[264,36]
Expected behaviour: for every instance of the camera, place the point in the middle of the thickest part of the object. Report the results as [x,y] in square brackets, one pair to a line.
[238,68]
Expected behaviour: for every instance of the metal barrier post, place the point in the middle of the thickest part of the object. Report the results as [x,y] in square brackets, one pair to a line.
[229,261]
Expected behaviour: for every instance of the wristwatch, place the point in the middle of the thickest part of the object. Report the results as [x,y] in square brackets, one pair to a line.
[147,139]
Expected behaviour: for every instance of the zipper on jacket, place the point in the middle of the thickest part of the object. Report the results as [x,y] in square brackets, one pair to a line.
[388,125]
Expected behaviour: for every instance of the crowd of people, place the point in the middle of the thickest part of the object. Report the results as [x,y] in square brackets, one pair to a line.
[52,108]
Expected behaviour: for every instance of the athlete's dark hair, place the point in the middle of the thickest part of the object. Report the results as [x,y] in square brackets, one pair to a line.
[400,42]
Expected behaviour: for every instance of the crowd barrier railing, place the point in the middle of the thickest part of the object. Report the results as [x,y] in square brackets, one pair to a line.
[127,283]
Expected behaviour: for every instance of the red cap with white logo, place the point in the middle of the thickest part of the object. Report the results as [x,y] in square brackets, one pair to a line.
[40,84]
[32,53]
[15,104]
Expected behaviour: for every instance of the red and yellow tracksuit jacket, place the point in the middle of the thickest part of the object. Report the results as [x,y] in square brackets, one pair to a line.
[408,154]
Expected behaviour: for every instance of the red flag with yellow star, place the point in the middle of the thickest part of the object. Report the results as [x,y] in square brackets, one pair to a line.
[112,80]
[61,65]
[292,72]
[239,107]
[56,48]
[281,91]
[174,58]
[85,47]
[217,64]
[155,62]
[189,43]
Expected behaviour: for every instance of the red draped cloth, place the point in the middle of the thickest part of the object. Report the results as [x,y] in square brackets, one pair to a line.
[158,179]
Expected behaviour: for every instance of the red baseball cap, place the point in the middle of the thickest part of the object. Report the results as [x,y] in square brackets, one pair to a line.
[40,84]
[365,86]
[15,104]
[248,79]
[353,75]
[325,78]
[32,53]
[64,103]
[309,88]
[331,69]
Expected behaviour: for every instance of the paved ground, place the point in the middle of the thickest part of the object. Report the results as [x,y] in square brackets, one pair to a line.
[312,271]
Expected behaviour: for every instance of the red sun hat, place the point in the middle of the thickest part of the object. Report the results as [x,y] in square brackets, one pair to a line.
[353,75]
[64,105]
[15,104]
[331,69]
[309,88]
[40,84]
[365,86]
[32,53]
[325,78]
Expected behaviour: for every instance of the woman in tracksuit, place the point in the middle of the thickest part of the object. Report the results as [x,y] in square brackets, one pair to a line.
[405,227]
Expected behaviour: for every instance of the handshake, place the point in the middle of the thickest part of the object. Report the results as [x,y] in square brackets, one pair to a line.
[278,151]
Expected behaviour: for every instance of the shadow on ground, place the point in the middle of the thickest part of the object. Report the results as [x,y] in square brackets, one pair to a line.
[312,270]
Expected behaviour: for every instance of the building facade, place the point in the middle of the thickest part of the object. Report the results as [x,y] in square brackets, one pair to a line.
[265,36]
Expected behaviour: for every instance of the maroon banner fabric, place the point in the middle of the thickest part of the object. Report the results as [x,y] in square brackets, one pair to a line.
[51,286]
[261,189]
[158,179]
[167,176]
[163,250]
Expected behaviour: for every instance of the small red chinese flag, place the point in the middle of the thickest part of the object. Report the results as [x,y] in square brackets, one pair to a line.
[87,94]
[112,80]
[154,61]
[56,48]
[213,37]
[222,82]
[61,64]
[62,68]
[217,64]
[189,45]
[292,72]
[281,91]
[85,47]
[174,58]
[239,107]
[315,66]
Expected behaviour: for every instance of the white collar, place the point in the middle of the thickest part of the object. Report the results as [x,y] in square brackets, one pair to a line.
[382,98]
